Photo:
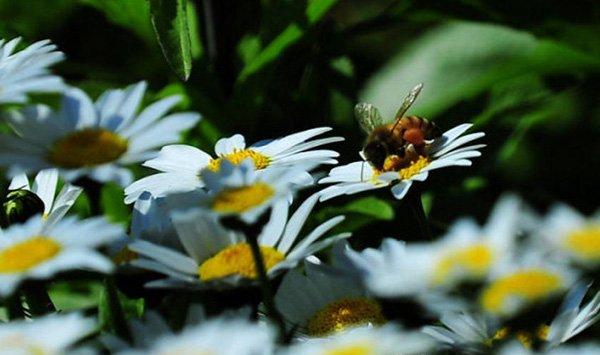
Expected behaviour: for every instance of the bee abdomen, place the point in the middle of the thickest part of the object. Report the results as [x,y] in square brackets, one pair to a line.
[430,130]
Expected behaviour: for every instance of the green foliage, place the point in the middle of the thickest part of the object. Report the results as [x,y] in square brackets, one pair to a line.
[111,202]
[459,60]
[170,21]
[75,294]
[358,213]
[131,14]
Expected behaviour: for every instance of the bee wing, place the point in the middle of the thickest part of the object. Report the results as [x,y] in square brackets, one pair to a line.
[408,101]
[368,116]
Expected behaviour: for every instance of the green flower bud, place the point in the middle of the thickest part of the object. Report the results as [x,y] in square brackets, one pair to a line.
[19,206]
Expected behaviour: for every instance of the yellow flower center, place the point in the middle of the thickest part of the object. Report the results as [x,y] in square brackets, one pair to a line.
[87,147]
[237,259]
[27,254]
[260,160]
[242,199]
[474,261]
[585,243]
[527,285]
[414,168]
[356,349]
[345,313]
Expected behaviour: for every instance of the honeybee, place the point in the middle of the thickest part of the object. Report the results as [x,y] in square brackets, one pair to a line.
[392,146]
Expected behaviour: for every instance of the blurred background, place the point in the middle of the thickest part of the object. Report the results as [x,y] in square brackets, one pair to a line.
[525,72]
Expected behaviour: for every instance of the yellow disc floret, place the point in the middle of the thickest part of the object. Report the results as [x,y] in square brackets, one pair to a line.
[474,261]
[344,313]
[242,199]
[355,349]
[27,254]
[237,259]
[526,285]
[87,147]
[585,243]
[260,160]
[414,168]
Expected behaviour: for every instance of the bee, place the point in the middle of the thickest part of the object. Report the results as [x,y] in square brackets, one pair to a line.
[393,146]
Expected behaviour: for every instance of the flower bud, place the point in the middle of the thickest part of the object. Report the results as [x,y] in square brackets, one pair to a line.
[18,206]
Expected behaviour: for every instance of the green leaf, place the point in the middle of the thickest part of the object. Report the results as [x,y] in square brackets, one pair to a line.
[170,21]
[358,213]
[75,294]
[459,60]
[315,10]
[112,203]
[131,14]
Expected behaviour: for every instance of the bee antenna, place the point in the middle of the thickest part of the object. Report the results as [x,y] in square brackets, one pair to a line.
[362,168]
[407,103]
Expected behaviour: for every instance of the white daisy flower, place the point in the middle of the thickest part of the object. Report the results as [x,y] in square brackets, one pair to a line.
[467,333]
[241,191]
[35,250]
[523,281]
[53,334]
[180,166]
[447,150]
[395,269]
[219,258]
[385,340]
[468,252]
[516,348]
[572,319]
[26,71]
[572,235]
[325,301]
[44,186]
[223,335]
[92,139]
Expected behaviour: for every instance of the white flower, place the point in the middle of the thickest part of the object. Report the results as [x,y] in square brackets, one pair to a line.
[465,332]
[386,340]
[442,152]
[44,186]
[468,252]
[570,234]
[223,335]
[240,190]
[26,71]
[180,165]
[395,269]
[516,348]
[572,319]
[53,334]
[526,279]
[325,301]
[35,250]
[221,258]
[92,139]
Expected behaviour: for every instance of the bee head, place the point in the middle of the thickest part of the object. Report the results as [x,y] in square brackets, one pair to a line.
[375,152]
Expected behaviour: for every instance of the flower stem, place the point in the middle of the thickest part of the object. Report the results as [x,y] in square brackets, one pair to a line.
[37,299]
[14,306]
[116,316]
[416,205]
[265,284]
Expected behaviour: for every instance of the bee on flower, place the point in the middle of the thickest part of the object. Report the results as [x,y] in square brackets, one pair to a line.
[92,139]
[26,71]
[181,166]
[400,152]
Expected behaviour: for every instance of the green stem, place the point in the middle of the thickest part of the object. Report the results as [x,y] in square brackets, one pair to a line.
[265,285]
[14,306]
[416,205]
[116,316]
[37,299]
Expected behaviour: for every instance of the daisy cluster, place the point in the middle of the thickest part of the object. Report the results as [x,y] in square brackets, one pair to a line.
[224,255]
